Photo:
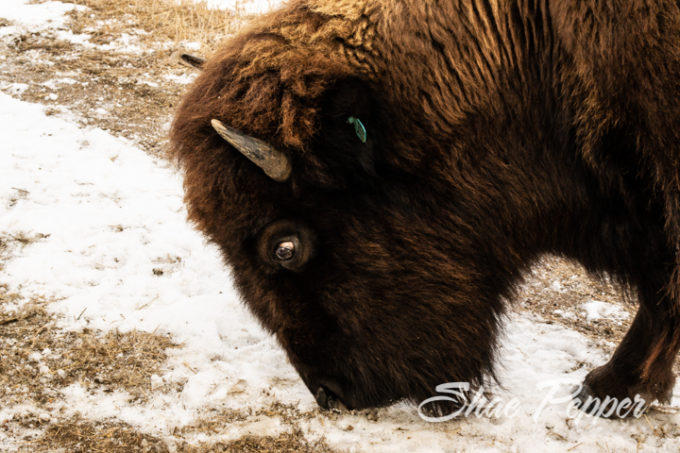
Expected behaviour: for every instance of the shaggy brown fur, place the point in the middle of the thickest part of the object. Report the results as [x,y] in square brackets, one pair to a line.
[497,131]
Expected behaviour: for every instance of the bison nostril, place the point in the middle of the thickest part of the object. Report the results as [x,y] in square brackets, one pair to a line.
[321,397]
[328,400]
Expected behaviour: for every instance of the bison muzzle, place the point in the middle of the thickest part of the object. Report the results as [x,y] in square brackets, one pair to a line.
[379,174]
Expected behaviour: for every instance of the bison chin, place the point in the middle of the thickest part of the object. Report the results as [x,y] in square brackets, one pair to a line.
[335,393]
[357,379]
[338,393]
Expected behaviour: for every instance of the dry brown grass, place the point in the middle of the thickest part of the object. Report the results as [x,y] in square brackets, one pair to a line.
[293,442]
[177,21]
[77,435]
[219,421]
[37,358]
[131,88]
[216,421]
[136,88]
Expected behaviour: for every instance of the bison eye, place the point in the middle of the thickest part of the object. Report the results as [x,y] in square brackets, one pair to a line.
[287,244]
[285,251]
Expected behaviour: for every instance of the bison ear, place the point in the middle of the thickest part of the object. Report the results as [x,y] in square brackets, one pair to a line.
[359,128]
[349,131]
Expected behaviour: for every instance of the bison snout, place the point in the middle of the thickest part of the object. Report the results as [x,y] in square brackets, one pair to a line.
[328,399]
[328,394]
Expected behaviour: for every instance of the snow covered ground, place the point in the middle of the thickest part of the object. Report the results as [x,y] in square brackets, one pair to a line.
[115,252]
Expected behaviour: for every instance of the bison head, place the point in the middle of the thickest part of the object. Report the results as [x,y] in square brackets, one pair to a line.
[358,185]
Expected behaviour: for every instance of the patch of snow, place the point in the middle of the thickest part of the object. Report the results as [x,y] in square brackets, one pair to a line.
[54,84]
[190,45]
[16,89]
[557,286]
[603,310]
[36,16]
[149,83]
[9,30]
[564,314]
[183,79]
[126,42]
[82,39]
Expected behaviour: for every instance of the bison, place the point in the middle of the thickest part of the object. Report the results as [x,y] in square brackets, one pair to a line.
[379,174]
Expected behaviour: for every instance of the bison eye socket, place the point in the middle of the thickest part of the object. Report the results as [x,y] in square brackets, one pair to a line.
[285,251]
[286,244]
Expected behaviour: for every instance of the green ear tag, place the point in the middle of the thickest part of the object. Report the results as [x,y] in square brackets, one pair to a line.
[359,128]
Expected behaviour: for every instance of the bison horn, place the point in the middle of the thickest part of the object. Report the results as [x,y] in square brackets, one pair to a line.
[192,60]
[274,163]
